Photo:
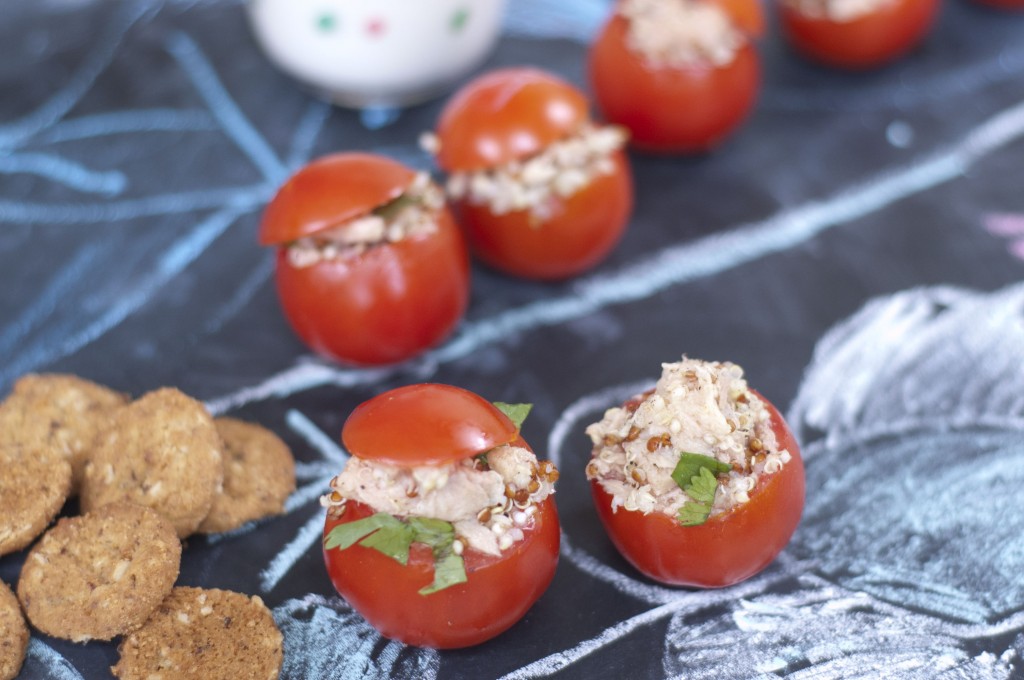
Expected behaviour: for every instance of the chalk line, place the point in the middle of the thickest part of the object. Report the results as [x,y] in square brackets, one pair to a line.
[306,537]
[65,280]
[244,197]
[52,660]
[282,563]
[306,131]
[597,402]
[243,294]
[316,438]
[673,266]
[123,122]
[69,173]
[223,107]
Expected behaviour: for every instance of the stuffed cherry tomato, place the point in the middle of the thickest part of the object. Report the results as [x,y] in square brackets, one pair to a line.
[442,529]
[371,268]
[680,75]
[856,34]
[698,482]
[541,191]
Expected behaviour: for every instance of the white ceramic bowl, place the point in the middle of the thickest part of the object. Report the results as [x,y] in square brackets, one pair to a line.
[362,53]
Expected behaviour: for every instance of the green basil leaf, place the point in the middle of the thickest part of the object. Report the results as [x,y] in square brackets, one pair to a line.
[690,465]
[345,535]
[694,513]
[393,541]
[516,412]
[449,570]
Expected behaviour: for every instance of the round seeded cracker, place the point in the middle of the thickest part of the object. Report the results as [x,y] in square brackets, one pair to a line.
[67,411]
[204,634]
[161,451]
[35,480]
[259,475]
[13,634]
[100,575]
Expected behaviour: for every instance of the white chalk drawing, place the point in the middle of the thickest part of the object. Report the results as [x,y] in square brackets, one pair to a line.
[908,559]
[43,661]
[324,638]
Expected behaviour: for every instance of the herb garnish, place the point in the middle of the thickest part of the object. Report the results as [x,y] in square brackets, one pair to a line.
[391,536]
[516,412]
[695,475]
[390,210]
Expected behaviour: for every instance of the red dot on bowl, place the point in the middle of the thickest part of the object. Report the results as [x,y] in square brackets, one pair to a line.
[376,27]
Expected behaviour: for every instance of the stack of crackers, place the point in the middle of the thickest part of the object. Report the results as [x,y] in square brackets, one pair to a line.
[148,473]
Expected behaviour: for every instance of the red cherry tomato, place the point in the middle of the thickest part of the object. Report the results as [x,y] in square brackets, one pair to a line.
[580,232]
[512,115]
[726,549]
[872,40]
[497,593]
[506,115]
[438,424]
[384,305]
[672,109]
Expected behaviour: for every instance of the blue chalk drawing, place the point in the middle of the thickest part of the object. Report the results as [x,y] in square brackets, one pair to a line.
[38,144]
[576,20]
[123,122]
[68,173]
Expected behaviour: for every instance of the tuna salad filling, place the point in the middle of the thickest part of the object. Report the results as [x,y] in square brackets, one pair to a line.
[559,171]
[413,213]
[489,499]
[700,411]
[837,10]
[681,33]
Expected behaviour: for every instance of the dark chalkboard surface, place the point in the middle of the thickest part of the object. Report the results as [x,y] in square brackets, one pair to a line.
[858,247]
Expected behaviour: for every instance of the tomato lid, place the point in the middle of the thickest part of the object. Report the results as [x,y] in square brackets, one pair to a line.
[330,191]
[425,424]
[507,115]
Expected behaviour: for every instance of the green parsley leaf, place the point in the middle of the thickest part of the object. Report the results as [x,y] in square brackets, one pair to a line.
[449,570]
[393,537]
[694,513]
[516,412]
[690,465]
[695,475]
[703,486]
[393,541]
[346,535]
[436,533]
[390,210]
